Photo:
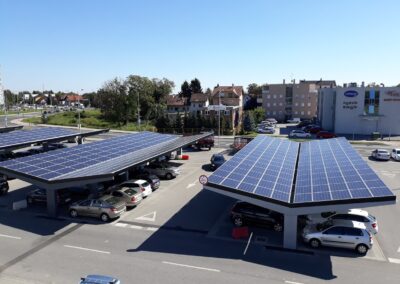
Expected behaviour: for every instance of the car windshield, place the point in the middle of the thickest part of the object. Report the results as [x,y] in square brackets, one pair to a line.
[129,191]
[218,158]
[382,151]
[145,184]
[398,152]
[112,200]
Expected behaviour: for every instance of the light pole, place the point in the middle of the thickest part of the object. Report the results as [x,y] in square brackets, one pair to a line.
[138,109]
[219,118]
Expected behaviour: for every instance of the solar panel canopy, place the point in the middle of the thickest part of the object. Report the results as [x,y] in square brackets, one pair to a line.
[25,137]
[300,174]
[97,158]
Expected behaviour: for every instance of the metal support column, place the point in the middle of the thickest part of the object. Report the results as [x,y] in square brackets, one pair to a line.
[290,232]
[179,151]
[51,202]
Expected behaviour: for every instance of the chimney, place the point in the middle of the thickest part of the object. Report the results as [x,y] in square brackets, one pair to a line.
[363,84]
[283,81]
[233,85]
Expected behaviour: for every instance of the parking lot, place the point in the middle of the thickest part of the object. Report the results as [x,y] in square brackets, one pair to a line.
[185,233]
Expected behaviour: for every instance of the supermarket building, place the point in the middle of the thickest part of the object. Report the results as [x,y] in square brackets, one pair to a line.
[360,110]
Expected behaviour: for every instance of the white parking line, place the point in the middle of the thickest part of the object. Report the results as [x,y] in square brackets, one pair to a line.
[122,225]
[398,250]
[136,227]
[10,237]
[291,282]
[248,243]
[87,249]
[394,260]
[190,266]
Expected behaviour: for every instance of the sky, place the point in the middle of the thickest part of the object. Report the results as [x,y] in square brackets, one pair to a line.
[78,45]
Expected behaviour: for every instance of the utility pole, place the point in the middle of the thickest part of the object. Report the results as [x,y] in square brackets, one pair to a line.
[219,117]
[138,110]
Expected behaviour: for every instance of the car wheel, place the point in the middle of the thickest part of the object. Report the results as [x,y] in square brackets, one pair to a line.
[73,213]
[104,217]
[238,221]
[29,200]
[278,227]
[314,243]
[362,249]
[168,176]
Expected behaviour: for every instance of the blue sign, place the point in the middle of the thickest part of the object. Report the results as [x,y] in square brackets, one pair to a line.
[351,94]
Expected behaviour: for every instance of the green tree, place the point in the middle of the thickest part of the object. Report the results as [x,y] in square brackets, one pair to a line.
[258,114]
[178,122]
[113,101]
[195,86]
[186,92]
[248,122]
[254,89]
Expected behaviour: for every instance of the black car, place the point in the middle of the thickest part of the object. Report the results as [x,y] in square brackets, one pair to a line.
[303,123]
[39,196]
[150,178]
[217,160]
[245,213]
[3,186]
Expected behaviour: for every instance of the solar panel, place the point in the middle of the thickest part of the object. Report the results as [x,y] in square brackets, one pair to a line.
[331,170]
[26,137]
[98,158]
[264,167]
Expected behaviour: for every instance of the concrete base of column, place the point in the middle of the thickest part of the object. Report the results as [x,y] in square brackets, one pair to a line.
[290,232]
[51,202]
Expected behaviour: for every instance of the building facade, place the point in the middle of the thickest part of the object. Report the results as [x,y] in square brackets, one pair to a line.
[176,105]
[198,103]
[360,110]
[289,100]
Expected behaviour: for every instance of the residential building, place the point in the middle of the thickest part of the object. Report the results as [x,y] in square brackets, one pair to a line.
[288,100]
[72,99]
[176,104]
[353,109]
[228,100]
[198,103]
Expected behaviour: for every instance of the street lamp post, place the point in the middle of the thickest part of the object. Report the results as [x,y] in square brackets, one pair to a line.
[219,118]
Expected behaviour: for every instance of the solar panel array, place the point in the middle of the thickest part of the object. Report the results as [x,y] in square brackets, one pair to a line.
[22,137]
[264,167]
[331,170]
[59,163]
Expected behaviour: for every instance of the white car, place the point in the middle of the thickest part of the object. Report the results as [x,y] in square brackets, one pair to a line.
[267,130]
[395,154]
[357,215]
[294,120]
[299,134]
[143,185]
[381,154]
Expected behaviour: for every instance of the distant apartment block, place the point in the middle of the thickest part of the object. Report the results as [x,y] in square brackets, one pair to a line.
[288,100]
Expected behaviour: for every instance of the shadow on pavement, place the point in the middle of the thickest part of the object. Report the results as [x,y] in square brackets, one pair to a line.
[190,237]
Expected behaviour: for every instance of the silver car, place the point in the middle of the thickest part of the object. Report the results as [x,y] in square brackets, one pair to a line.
[106,208]
[131,196]
[163,170]
[381,154]
[342,234]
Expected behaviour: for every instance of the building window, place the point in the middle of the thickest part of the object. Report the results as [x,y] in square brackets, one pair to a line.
[274,96]
[308,104]
[302,96]
[207,112]
[302,104]
[268,104]
[302,113]
[281,96]
[371,102]
[274,112]
[268,113]
[280,112]
[227,112]
[280,104]
[200,105]
[274,104]
[295,112]
[268,96]
[296,104]
[309,112]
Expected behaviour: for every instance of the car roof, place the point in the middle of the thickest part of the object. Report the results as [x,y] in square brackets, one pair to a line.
[348,223]
[357,212]
[101,279]
[380,149]
[138,181]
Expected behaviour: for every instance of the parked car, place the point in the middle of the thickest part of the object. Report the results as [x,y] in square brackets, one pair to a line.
[131,196]
[303,123]
[39,195]
[342,234]
[395,154]
[381,154]
[106,208]
[308,127]
[4,187]
[357,215]
[272,120]
[314,129]
[163,170]
[138,184]
[245,213]
[206,142]
[325,135]
[299,134]
[266,130]
[99,279]
[217,160]
[294,120]
[150,178]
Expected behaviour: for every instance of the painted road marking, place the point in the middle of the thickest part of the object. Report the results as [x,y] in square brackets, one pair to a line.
[292,282]
[136,227]
[146,217]
[394,260]
[123,225]
[248,243]
[398,250]
[191,185]
[10,237]
[87,249]
[190,266]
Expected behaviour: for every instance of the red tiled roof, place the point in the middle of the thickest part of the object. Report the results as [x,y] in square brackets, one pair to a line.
[238,90]
[198,97]
[176,101]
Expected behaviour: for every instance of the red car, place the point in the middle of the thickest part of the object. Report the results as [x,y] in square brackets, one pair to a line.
[325,135]
[314,130]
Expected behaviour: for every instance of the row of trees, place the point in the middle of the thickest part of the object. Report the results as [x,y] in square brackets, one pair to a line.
[252,118]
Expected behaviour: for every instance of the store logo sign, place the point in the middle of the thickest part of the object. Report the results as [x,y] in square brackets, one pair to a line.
[351,94]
